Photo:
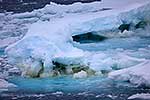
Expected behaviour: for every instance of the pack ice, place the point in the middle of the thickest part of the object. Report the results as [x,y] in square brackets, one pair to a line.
[50,38]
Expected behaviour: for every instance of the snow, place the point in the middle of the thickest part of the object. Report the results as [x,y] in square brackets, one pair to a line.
[145,96]
[50,30]
[138,74]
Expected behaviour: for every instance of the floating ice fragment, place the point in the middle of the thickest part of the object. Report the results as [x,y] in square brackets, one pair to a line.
[5,85]
[145,96]
[81,74]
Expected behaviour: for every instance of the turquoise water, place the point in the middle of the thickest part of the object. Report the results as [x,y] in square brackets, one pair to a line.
[1,51]
[64,84]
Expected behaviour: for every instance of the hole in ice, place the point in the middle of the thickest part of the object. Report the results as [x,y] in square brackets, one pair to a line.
[141,24]
[124,27]
[88,38]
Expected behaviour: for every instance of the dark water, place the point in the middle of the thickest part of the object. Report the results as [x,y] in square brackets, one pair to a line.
[2,51]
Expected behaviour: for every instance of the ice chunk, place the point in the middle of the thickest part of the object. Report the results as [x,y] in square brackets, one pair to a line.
[5,85]
[145,96]
[81,74]
[138,74]
[111,60]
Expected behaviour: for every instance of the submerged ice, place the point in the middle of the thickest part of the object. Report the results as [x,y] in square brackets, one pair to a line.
[50,38]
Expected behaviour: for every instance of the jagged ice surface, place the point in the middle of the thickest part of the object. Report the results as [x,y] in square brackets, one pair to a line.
[50,38]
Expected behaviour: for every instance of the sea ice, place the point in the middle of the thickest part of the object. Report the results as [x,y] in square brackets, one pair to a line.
[49,40]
